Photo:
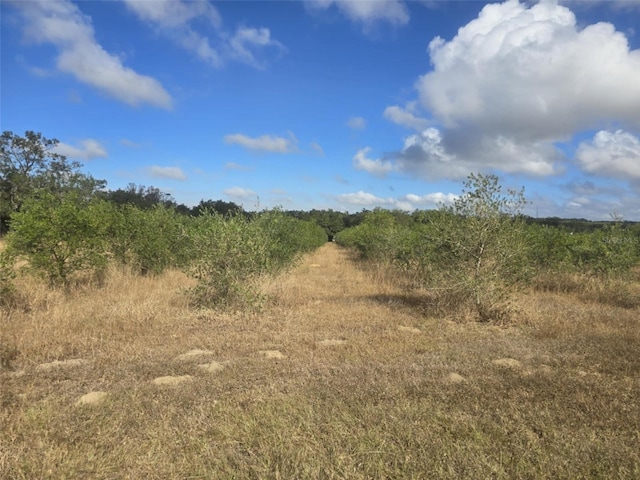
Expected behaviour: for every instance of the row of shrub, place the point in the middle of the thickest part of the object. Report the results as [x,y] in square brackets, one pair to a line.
[479,251]
[70,239]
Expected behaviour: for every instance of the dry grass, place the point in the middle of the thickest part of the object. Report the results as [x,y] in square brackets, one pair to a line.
[363,386]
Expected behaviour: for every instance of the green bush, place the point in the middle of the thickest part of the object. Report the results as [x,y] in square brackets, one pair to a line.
[479,247]
[232,253]
[149,240]
[62,237]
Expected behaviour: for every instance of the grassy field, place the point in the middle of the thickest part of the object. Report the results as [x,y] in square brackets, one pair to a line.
[344,374]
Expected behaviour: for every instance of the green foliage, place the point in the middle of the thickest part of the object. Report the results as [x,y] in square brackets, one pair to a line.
[379,238]
[218,206]
[232,253]
[606,253]
[150,240]
[139,196]
[29,165]
[479,247]
[61,237]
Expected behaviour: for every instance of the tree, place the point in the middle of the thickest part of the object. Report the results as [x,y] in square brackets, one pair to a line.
[30,164]
[61,236]
[479,246]
[140,196]
[219,206]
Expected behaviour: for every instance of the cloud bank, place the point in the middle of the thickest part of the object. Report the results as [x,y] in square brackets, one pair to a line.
[513,86]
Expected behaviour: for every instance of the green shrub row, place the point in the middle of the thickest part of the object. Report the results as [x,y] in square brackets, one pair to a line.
[479,251]
[68,239]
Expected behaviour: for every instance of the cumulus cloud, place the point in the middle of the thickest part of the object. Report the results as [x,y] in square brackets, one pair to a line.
[376,167]
[264,143]
[515,83]
[531,72]
[357,123]
[404,117]
[176,20]
[174,173]
[614,154]
[367,12]
[63,25]
[88,150]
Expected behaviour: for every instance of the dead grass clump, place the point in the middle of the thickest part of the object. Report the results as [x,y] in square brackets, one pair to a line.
[623,293]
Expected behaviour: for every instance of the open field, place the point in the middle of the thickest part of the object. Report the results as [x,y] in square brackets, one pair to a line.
[343,374]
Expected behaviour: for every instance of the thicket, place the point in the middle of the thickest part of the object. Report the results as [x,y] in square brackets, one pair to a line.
[479,251]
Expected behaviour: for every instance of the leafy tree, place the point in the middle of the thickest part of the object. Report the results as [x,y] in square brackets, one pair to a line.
[29,164]
[218,206]
[140,196]
[61,236]
[149,241]
[479,249]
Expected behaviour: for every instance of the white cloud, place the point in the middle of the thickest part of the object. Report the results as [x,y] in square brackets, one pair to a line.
[614,154]
[531,72]
[433,199]
[174,173]
[364,199]
[62,24]
[264,143]
[244,44]
[176,19]
[173,17]
[367,12]
[405,118]
[174,13]
[428,155]
[88,150]
[357,123]
[515,82]
[377,167]
[240,193]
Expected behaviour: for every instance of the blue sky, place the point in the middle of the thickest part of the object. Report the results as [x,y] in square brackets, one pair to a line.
[342,104]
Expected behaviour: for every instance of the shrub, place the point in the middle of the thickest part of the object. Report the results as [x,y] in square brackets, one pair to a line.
[149,240]
[61,236]
[478,249]
[232,253]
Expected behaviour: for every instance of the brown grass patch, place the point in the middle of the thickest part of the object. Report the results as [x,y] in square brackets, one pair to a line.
[386,403]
